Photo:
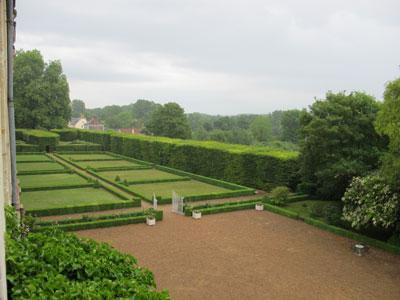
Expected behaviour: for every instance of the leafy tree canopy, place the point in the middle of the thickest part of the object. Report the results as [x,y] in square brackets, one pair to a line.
[41,92]
[169,120]
[78,108]
[339,142]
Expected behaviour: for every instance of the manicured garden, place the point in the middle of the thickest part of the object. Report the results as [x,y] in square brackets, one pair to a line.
[64,198]
[50,180]
[32,158]
[38,166]
[183,188]
[135,176]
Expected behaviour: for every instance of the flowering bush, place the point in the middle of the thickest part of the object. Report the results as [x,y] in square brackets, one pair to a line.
[370,201]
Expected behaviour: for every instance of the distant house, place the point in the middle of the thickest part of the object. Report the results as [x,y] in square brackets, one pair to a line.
[78,123]
[130,130]
[94,124]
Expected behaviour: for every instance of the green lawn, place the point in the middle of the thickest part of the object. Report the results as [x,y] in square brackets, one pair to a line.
[183,188]
[107,164]
[138,175]
[32,157]
[87,156]
[39,166]
[303,208]
[67,198]
[50,180]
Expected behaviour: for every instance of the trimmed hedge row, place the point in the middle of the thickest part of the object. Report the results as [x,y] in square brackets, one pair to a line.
[67,134]
[221,207]
[43,172]
[353,235]
[121,168]
[78,147]
[158,180]
[25,148]
[80,209]
[61,187]
[43,139]
[98,221]
[258,167]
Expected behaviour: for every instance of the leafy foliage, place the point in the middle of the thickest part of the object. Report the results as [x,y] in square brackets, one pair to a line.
[370,201]
[57,265]
[339,142]
[388,123]
[169,120]
[78,108]
[41,92]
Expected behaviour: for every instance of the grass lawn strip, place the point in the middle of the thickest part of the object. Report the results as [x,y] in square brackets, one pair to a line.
[138,175]
[303,208]
[107,164]
[183,188]
[40,200]
[39,166]
[50,180]
[32,158]
[88,157]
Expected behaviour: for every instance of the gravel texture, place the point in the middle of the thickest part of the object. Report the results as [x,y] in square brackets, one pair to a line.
[253,255]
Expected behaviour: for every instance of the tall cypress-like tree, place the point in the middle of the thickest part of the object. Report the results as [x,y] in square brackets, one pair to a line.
[41,92]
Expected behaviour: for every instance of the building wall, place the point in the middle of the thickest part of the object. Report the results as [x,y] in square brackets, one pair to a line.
[5,161]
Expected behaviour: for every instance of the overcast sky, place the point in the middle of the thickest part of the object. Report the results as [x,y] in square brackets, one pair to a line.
[216,56]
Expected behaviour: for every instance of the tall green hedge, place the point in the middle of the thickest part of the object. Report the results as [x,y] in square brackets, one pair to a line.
[67,134]
[259,167]
[41,138]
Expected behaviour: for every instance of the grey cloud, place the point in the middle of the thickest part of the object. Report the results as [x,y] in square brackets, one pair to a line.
[265,54]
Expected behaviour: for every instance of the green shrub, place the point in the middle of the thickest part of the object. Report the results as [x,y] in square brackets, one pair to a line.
[45,140]
[317,210]
[280,193]
[54,265]
[117,178]
[67,134]
[332,214]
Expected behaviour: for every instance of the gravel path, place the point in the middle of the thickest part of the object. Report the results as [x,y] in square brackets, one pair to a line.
[253,255]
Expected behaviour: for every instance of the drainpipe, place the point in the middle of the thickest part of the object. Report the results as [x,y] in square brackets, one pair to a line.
[10,57]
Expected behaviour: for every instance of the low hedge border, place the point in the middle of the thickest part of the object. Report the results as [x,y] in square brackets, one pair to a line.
[336,230]
[32,161]
[221,207]
[80,209]
[98,159]
[43,172]
[121,168]
[98,221]
[26,148]
[353,235]
[78,147]
[30,153]
[159,180]
[58,187]
[204,197]
[86,218]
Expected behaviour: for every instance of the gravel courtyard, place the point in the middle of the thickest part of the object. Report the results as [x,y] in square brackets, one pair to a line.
[253,255]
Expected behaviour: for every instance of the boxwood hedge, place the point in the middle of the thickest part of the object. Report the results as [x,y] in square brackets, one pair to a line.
[258,167]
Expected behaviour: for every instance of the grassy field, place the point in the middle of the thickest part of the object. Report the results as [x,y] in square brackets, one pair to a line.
[138,175]
[107,164]
[32,157]
[50,180]
[88,156]
[67,198]
[303,208]
[39,166]
[183,188]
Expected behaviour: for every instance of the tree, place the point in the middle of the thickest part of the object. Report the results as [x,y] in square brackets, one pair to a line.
[41,92]
[261,128]
[77,108]
[290,125]
[339,142]
[169,120]
[388,124]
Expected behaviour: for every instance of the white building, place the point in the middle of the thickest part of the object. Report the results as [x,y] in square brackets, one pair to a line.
[78,123]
